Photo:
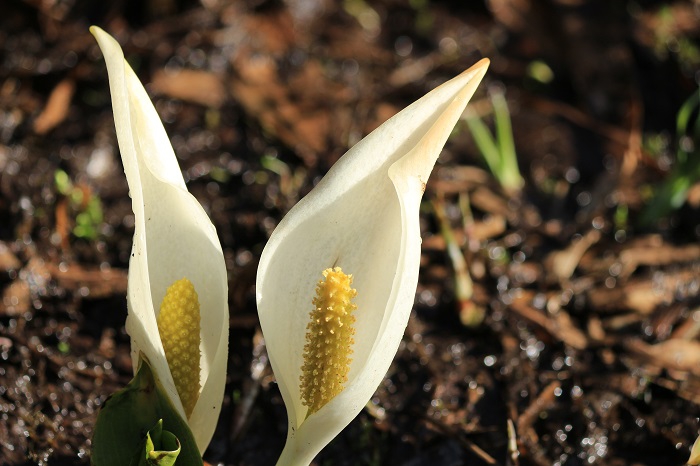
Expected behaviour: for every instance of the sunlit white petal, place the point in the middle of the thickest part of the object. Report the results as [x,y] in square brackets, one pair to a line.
[363,217]
[173,239]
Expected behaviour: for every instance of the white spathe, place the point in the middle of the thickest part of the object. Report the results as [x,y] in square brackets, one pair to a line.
[173,238]
[362,217]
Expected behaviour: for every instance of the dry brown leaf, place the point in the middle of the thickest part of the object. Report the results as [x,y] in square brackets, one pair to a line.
[563,263]
[199,87]
[8,261]
[676,354]
[661,254]
[63,222]
[56,108]
[644,295]
[458,179]
[95,282]
[292,96]
[16,299]
[558,324]
[491,227]
[486,200]
[514,14]
[291,117]
[273,31]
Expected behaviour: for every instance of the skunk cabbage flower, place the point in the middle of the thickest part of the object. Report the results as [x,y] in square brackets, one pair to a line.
[177,290]
[337,278]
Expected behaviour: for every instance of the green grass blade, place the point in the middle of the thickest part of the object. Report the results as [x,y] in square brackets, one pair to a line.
[509,172]
[485,143]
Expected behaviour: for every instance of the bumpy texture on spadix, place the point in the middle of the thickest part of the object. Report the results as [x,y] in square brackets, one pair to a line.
[179,327]
[328,340]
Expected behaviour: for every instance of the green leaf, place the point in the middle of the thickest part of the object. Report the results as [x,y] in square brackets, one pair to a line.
[686,111]
[136,415]
[485,142]
[159,448]
[509,176]
[499,150]
[62,181]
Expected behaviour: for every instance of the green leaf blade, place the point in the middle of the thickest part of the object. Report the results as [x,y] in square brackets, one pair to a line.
[138,416]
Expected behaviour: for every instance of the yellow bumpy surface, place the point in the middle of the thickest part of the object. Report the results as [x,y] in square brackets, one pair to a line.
[179,327]
[328,340]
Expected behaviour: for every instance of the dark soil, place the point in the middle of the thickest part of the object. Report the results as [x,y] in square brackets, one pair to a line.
[579,344]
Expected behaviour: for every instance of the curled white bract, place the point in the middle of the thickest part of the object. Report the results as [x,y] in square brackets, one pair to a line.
[362,217]
[173,238]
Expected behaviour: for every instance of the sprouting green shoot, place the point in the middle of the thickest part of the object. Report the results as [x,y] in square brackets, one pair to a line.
[470,313]
[499,150]
[673,192]
[85,205]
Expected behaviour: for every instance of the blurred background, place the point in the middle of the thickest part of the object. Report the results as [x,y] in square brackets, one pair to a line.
[557,315]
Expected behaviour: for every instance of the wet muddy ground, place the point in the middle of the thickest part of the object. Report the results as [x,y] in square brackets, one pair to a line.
[578,342]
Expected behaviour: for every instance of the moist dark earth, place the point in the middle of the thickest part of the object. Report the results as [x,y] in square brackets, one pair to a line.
[567,334]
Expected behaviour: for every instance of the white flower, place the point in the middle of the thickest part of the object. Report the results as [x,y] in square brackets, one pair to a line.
[173,239]
[363,218]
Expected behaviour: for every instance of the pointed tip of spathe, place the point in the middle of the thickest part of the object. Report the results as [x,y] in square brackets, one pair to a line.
[484,62]
[96,31]
[105,41]
[471,78]
[478,69]
[482,65]
[468,80]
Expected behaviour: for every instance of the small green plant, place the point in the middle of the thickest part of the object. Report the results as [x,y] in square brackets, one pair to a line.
[670,39]
[290,181]
[673,192]
[88,208]
[470,314]
[499,150]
